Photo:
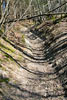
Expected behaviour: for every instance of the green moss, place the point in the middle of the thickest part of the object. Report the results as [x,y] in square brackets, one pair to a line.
[59,19]
[1,32]
[1,60]
[23,38]
[6,80]
[6,47]
[2,67]
[20,57]
[53,18]
[8,57]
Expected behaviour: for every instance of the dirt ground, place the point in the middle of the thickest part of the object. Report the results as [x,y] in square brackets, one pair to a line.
[32,67]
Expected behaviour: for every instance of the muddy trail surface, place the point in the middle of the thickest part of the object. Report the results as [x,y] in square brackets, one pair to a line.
[43,75]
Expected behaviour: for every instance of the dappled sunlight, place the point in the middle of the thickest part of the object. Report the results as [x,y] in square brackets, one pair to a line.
[33,50]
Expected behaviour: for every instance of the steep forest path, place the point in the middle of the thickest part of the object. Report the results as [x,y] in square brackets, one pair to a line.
[43,83]
[46,61]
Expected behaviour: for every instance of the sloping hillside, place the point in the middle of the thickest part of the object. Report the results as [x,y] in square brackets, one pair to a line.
[33,62]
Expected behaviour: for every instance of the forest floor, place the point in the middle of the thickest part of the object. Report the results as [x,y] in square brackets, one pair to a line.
[33,67]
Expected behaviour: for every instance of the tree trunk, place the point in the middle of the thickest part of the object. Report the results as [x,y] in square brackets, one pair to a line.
[49,5]
[0,10]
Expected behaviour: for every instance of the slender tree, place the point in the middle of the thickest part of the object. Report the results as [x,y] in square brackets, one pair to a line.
[0,9]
